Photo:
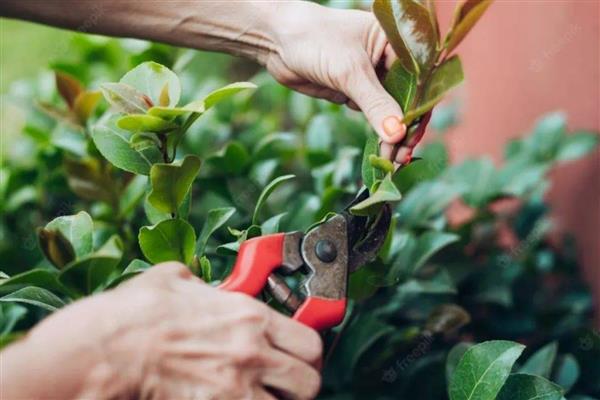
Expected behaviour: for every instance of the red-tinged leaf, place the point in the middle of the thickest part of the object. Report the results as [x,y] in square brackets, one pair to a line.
[466,16]
[443,78]
[126,98]
[68,87]
[409,29]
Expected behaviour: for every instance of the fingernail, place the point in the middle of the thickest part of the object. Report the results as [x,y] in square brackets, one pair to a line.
[393,127]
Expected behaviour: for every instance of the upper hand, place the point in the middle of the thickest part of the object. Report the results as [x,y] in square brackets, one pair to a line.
[337,55]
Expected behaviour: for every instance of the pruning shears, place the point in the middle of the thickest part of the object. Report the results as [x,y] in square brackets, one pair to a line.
[325,256]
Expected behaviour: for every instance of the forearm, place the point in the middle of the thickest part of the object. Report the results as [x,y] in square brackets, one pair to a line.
[244,28]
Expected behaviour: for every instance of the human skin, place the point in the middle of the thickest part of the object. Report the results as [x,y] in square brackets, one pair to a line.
[164,335]
[327,53]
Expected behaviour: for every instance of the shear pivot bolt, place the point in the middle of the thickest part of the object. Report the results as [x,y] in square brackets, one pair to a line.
[325,251]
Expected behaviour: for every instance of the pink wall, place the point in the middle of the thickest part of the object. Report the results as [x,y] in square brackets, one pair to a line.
[526,58]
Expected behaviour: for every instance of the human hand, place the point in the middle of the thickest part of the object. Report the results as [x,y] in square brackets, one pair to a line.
[165,334]
[338,55]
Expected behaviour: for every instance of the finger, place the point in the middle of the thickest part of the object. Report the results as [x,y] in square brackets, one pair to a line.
[403,156]
[382,111]
[291,376]
[352,105]
[386,150]
[390,56]
[262,394]
[294,338]
[320,92]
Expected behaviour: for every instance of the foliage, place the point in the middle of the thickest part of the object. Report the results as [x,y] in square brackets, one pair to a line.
[117,191]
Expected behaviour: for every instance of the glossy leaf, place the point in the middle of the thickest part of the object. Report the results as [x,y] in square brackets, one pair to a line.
[125,98]
[386,192]
[529,387]
[92,272]
[35,296]
[368,173]
[151,78]
[77,229]
[215,218]
[113,143]
[169,240]
[10,315]
[409,29]
[206,269]
[466,16]
[381,164]
[230,160]
[145,123]
[225,92]
[134,268]
[401,84]
[68,87]
[271,225]
[541,362]
[44,278]
[171,183]
[443,78]
[132,195]
[454,356]
[270,188]
[483,370]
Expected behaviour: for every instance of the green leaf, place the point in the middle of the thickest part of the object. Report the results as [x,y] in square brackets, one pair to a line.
[577,145]
[529,387]
[417,251]
[145,123]
[113,144]
[10,314]
[385,193]
[77,229]
[271,225]
[125,98]
[266,193]
[56,248]
[92,272]
[225,92]
[466,16]
[401,84]
[230,160]
[370,174]
[132,195]
[35,296]
[171,183]
[319,138]
[135,267]
[454,356]
[206,269]
[169,240]
[381,164]
[483,369]
[477,179]
[566,372]
[443,78]
[541,362]
[151,78]
[409,29]
[215,218]
[44,278]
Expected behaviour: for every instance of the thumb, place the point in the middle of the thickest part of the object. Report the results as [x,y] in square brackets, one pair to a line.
[382,111]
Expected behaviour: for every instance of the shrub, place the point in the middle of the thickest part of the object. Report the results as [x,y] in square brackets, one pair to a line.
[438,314]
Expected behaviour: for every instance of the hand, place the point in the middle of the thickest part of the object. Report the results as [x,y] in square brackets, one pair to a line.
[165,334]
[333,54]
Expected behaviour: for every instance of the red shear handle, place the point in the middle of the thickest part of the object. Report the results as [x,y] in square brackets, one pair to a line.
[320,313]
[256,259]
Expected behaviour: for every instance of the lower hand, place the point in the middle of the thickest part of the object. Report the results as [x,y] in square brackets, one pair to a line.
[165,334]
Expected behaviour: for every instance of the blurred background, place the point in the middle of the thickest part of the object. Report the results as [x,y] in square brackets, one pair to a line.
[522,60]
